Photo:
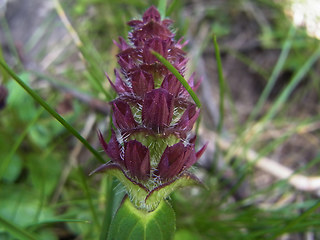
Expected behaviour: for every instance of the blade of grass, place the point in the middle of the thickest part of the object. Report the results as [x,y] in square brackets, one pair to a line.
[16,231]
[92,65]
[50,110]
[89,197]
[291,86]
[176,73]
[259,126]
[252,65]
[4,74]
[297,220]
[7,33]
[162,8]
[42,188]
[275,74]
[221,85]
[284,95]
[44,30]
[173,5]
[34,227]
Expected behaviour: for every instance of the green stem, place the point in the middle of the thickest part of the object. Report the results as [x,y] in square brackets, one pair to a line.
[50,110]
[176,73]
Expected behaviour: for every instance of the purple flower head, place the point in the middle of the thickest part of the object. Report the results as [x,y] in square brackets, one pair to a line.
[153,115]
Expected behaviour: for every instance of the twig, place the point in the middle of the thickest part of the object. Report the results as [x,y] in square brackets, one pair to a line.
[298,181]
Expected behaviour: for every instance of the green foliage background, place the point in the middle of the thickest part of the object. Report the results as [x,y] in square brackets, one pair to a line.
[46,194]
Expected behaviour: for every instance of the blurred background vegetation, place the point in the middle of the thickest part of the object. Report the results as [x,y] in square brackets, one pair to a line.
[261,168]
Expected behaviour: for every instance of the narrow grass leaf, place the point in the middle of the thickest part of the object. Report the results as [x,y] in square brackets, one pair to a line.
[162,5]
[4,74]
[221,84]
[9,39]
[89,198]
[296,221]
[50,110]
[291,86]
[275,74]
[92,65]
[176,73]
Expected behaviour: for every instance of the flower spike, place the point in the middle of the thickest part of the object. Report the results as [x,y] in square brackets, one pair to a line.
[150,148]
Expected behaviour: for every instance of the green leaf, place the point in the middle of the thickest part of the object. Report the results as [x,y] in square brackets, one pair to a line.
[131,223]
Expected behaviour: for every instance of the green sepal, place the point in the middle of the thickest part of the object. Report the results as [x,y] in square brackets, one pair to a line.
[130,223]
[164,190]
[136,191]
[142,197]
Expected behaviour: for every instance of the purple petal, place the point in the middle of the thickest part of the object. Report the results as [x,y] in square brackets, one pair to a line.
[188,118]
[102,141]
[167,22]
[128,58]
[151,14]
[137,160]
[180,45]
[193,140]
[174,160]
[112,149]
[119,86]
[157,110]
[158,45]
[134,23]
[122,115]
[201,151]
[122,44]
[142,82]
[171,84]
[148,32]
